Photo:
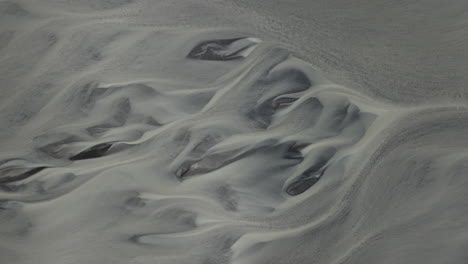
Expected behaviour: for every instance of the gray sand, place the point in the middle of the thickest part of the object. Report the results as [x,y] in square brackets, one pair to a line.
[243,132]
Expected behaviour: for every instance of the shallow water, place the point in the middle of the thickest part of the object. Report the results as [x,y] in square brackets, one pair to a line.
[213,132]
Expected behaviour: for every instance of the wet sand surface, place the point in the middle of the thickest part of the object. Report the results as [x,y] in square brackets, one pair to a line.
[242,132]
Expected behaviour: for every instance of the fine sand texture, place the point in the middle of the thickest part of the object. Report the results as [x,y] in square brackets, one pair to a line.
[233,132]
